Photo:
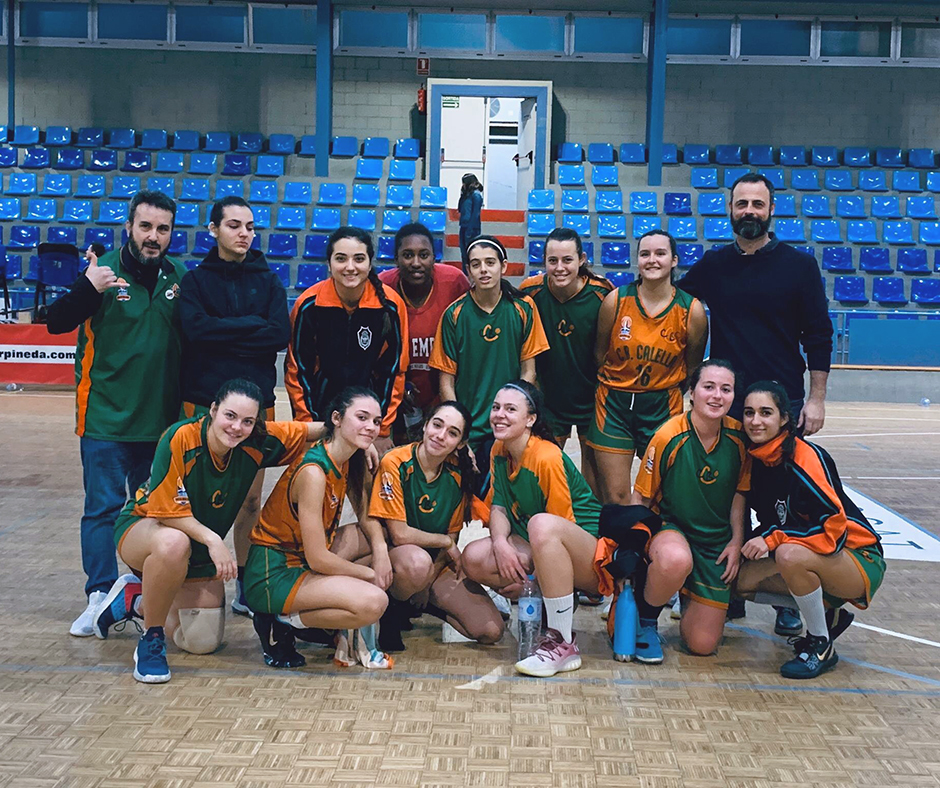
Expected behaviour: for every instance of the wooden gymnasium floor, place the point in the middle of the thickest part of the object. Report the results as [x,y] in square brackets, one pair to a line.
[455,715]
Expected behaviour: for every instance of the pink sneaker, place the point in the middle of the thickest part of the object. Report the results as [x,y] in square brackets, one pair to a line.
[551,656]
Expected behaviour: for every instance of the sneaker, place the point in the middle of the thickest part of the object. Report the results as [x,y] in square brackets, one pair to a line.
[676,603]
[814,655]
[118,606]
[239,603]
[590,600]
[150,664]
[605,610]
[649,647]
[838,620]
[277,642]
[82,627]
[788,621]
[551,656]
[503,605]
[736,609]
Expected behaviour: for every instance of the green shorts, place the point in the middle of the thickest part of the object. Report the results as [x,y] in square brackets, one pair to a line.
[625,421]
[704,583]
[200,564]
[561,428]
[871,564]
[272,579]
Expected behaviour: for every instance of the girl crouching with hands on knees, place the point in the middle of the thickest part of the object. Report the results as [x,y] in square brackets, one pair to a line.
[304,570]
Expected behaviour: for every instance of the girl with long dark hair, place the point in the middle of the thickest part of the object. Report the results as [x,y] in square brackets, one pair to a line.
[470,207]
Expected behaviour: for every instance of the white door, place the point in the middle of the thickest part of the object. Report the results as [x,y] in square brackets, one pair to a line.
[525,173]
[463,128]
[502,141]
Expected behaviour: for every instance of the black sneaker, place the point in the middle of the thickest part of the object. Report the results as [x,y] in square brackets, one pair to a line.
[838,620]
[277,642]
[814,655]
[391,624]
[788,621]
[736,609]
[315,635]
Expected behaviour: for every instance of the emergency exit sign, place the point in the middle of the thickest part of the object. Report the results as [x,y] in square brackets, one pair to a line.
[423,66]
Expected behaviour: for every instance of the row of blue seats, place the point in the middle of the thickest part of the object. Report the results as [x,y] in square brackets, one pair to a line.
[211,142]
[886,290]
[808,180]
[758,155]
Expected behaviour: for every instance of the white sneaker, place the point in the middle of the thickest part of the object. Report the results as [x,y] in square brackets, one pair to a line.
[503,605]
[605,610]
[676,603]
[551,656]
[82,627]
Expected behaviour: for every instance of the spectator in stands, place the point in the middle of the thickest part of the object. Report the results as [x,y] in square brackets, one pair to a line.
[125,306]
[470,206]
[427,288]
[348,330]
[233,310]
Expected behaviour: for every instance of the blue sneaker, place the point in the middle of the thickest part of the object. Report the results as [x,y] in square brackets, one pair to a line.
[649,648]
[118,606]
[150,664]
[814,656]
[240,603]
[788,621]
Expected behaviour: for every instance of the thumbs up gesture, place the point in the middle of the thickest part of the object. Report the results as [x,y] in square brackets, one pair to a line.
[101,277]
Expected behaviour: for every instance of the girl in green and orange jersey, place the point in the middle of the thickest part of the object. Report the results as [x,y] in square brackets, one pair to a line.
[424,494]
[543,518]
[649,335]
[568,297]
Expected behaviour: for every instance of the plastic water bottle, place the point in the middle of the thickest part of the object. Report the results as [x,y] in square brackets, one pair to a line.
[626,622]
[925,402]
[530,617]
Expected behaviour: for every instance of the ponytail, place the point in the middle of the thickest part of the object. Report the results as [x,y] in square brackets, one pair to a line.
[510,292]
[536,404]
[468,474]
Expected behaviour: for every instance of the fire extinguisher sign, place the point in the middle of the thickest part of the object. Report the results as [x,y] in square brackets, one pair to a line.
[423,66]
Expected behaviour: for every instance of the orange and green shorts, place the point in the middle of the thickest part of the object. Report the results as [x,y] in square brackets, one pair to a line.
[272,579]
[704,583]
[625,421]
[190,409]
[871,564]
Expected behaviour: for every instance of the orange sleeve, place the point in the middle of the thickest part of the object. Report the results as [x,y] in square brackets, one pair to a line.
[388,498]
[442,353]
[554,484]
[649,476]
[168,498]
[292,435]
[291,378]
[744,476]
[535,341]
[398,385]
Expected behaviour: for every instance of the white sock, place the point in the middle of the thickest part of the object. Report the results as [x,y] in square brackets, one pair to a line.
[560,611]
[814,612]
[769,598]
[293,619]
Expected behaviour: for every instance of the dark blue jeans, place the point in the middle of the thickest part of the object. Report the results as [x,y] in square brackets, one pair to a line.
[111,472]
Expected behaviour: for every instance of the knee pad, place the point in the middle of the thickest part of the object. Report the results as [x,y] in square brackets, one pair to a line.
[200,630]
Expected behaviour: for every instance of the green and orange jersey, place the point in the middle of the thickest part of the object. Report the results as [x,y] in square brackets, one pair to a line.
[567,373]
[545,481]
[279,524]
[485,350]
[127,360]
[647,353]
[402,492]
[692,486]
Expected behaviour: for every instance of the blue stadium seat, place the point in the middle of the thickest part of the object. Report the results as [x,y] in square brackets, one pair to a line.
[344,147]
[112,212]
[703,178]
[608,201]
[677,204]
[774,175]
[40,209]
[913,261]
[536,252]
[861,232]
[65,159]
[570,153]
[643,224]
[438,250]
[850,206]
[574,200]
[179,243]
[401,196]
[22,237]
[838,180]
[408,148]
[9,209]
[571,174]
[435,221]
[732,174]
[874,259]
[619,278]
[837,258]
[579,222]
[191,265]
[906,181]
[290,219]
[600,153]
[103,161]
[204,243]
[670,153]
[919,158]
[588,248]
[122,139]
[611,226]
[921,208]
[238,164]
[886,206]
[898,233]
[326,219]
[683,228]
[393,221]
[186,141]
[856,157]
[615,255]
[933,182]
[540,200]
[76,211]
[123,187]
[203,164]
[168,161]
[792,156]
[925,291]
[307,148]
[268,166]
[362,218]
[717,229]
[872,181]
[825,156]
[433,197]
[816,206]
[332,194]
[54,185]
[930,233]
[21,184]
[375,147]
[849,290]
[728,155]
[9,157]
[136,161]
[153,139]
[301,193]
[281,144]
[283,272]
[62,235]
[227,187]
[690,254]
[264,192]
[790,230]
[401,170]
[58,136]
[249,142]
[889,157]
[369,169]
[315,247]
[262,214]
[187,214]
[760,155]
[90,138]
[195,189]
[283,245]
[696,154]
[806,250]
[805,180]
[785,206]
[12,266]
[643,203]
[25,136]
[712,205]
[308,274]
[633,153]
[540,224]
[888,291]
[604,175]
[825,231]
[36,159]
[218,142]
[366,195]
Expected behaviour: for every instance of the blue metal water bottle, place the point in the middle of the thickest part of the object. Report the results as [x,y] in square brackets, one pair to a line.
[625,625]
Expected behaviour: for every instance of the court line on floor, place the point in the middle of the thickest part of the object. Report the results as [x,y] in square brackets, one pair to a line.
[895,478]
[894,634]
[821,436]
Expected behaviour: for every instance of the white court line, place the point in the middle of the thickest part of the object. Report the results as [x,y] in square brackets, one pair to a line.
[900,635]
[490,678]
[880,418]
[876,435]
[897,478]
